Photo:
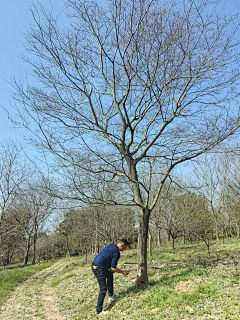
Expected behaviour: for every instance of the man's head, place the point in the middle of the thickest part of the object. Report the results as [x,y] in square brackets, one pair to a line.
[122,244]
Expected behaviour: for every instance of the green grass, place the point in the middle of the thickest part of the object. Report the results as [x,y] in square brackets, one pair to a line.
[217,294]
[13,276]
[56,282]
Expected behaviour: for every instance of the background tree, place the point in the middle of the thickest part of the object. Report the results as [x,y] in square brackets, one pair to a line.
[10,238]
[31,213]
[13,175]
[128,87]
[212,180]
[90,229]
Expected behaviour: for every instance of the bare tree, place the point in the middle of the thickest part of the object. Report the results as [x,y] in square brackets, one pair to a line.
[10,238]
[230,164]
[31,213]
[13,175]
[91,228]
[212,180]
[128,87]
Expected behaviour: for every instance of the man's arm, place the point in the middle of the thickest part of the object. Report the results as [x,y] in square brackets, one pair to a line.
[124,272]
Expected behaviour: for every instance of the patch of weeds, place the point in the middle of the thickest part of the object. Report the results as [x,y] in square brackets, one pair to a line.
[43,278]
[39,304]
[126,306]
[27,292]
[164,296]
[27,303]
[234,281]
[85,308]
[163,256]
[170,279]
[157,297]
[56,282]
[209,290]
[226,251]
[81,317]
[33,281]
[128,259]
[197,272]
[39,315]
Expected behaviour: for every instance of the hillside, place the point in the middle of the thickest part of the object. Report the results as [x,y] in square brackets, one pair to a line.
[187,285]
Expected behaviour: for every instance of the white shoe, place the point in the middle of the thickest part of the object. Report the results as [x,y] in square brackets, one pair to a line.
[114,296]
[103,313]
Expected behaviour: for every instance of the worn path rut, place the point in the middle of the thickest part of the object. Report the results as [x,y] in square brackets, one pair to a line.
[35,298]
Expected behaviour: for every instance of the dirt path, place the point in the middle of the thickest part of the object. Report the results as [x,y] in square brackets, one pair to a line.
[35,298]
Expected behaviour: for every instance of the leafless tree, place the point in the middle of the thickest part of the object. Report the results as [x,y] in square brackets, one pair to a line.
[90,229]
[10,238]
[128,87]
[13,175]
[212,180]
[31,213]
[230,164]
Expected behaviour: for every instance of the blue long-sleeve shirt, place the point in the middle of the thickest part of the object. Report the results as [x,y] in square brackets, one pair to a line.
[108,257]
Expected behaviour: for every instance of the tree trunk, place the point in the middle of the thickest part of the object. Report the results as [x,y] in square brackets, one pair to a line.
[150,243]
[159,237]
[142,278]
[227,235]
[34,248]
[67,245]
[237,230]
[27,251]
[169,238]
[217,233]
[208,246]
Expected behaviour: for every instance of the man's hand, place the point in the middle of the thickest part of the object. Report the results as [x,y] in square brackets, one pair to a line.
[125,272]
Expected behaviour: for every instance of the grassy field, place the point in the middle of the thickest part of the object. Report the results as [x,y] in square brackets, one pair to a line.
[188,285]
[14,275]
[183,284]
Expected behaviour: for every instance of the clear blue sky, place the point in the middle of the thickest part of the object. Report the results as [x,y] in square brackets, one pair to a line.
[14,19]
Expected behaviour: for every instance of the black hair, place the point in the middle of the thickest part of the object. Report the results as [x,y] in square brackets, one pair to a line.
[123,241]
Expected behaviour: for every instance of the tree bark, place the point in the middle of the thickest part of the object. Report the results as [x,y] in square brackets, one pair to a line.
[169,238]
[159,237]
[142,246]
[217,233]
[27,251]
[173,243]
[222,235]
[34,248]
[237,229]
[150,243]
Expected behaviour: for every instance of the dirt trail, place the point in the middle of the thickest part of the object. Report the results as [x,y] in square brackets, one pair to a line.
[35,299]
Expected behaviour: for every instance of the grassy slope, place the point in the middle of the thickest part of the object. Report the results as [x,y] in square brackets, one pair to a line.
[213,292]
[216,295]
[14,275]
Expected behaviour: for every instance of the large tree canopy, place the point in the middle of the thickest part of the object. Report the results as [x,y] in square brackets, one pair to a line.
[129,87]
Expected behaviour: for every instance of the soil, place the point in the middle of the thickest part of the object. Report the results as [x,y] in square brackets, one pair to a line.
[188,286]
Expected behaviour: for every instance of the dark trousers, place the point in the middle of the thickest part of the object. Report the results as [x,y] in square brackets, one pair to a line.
[105,281]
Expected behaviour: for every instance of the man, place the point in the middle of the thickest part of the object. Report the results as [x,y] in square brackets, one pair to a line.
[103,267]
